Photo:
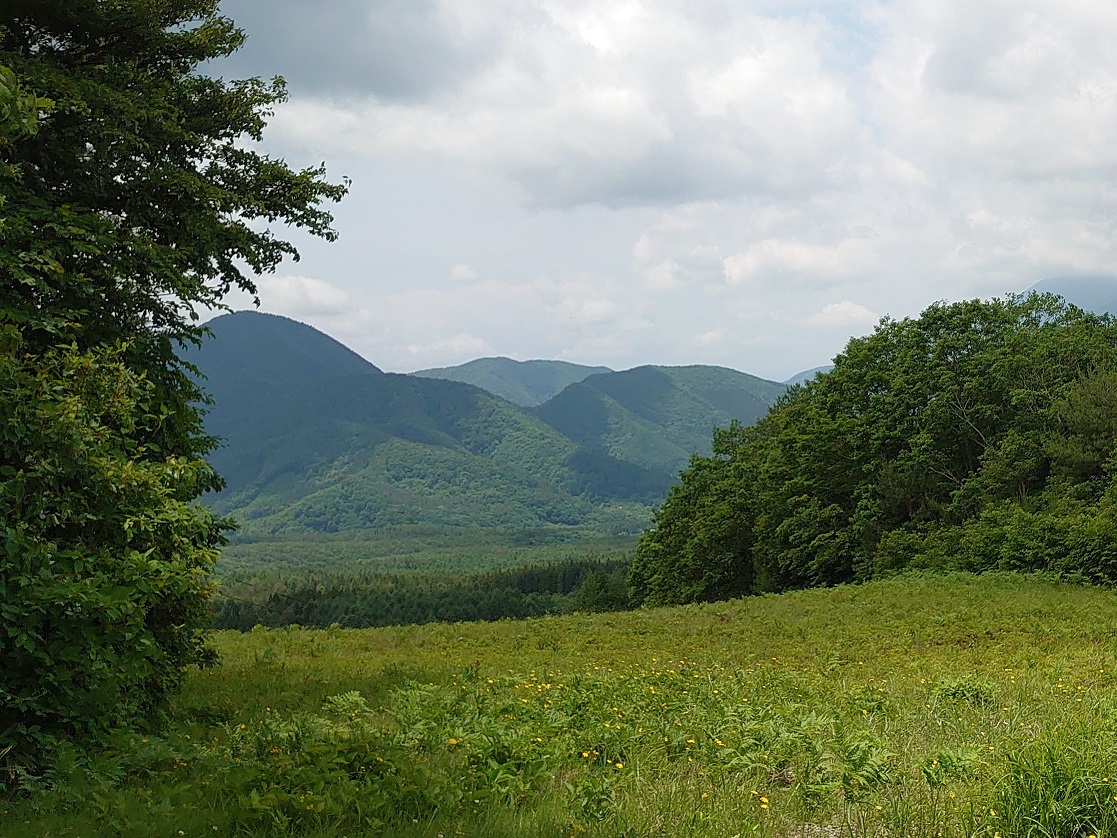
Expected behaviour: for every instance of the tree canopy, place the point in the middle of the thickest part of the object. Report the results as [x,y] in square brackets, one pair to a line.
[136,201]
[979,435]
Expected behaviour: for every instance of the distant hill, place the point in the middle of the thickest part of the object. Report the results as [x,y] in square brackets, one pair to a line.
[808,375]
[526,383]
[656,417]
[318,439]
[1092,293]
[253,361]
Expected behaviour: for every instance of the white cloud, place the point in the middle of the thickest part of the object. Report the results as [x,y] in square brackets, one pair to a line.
[621,103]
[845,314]
[458,346]
[785,258]
[463,273]
[302,296]
[710,338]
[757,160]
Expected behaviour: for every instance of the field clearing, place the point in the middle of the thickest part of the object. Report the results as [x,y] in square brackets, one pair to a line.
[925,706]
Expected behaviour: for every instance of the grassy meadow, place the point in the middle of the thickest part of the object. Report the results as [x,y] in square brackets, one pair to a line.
[923,706]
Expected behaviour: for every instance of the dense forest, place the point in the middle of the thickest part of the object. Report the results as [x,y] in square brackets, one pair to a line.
[980,435]
[368,600]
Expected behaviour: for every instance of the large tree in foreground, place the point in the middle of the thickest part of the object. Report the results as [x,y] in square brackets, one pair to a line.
[136,202]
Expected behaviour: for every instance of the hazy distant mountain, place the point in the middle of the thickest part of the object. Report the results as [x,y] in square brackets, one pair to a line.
[319,439]
[253,362]
[808,375]
[526,383]
[656,417]
[1092,293]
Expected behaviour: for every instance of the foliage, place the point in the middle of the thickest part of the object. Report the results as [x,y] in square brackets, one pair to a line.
[417,549]
[706,559]
[925,706]
[978,436]
[105,561]
[19,110]
[135,202]
[1059,783]
[362,600]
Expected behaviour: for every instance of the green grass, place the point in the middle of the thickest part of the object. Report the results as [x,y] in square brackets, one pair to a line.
[944,706]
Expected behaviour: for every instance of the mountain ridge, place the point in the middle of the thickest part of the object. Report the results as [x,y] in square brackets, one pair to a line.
[317,439]
[524,383]
[658,416]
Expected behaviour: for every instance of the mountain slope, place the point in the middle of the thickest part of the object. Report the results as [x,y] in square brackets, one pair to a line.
[656,417]
[1092,293]
[270,349]
[526,383]
[318,439]
[808,375]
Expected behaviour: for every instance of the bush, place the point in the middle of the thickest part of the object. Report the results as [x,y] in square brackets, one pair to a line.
[104,583]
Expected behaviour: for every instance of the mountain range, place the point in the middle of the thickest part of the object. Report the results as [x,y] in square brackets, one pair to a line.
[317,439]
[526,383]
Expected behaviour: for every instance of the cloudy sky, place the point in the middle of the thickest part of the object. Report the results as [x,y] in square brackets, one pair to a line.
[737,182]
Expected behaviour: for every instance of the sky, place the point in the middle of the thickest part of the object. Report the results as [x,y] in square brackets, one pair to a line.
[746,183]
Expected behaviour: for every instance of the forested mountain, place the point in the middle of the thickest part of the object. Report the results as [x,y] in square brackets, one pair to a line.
[807,375]
[317,439]
[656,417]
[526,383]
[1091,293]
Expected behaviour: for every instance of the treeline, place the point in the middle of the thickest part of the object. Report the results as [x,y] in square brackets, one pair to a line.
[979,436]
[357,600]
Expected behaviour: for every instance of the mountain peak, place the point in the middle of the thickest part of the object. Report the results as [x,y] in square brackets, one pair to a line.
[272,349]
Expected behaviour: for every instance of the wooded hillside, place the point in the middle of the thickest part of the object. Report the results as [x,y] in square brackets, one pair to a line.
[980,435]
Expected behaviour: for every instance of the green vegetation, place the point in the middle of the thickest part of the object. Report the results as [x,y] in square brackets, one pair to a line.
[657,417]
[401,575]
[318,440]
[979,436]
[20,111]
[417,549]
[132,201]
[525,383]
[930,706]
[361,600]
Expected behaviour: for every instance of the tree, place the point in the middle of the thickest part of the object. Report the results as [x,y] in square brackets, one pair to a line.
[136,203]
[979,435]
[19,110]
[699,548]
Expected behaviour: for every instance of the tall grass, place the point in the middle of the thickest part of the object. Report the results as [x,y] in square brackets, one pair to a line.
[957,706]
